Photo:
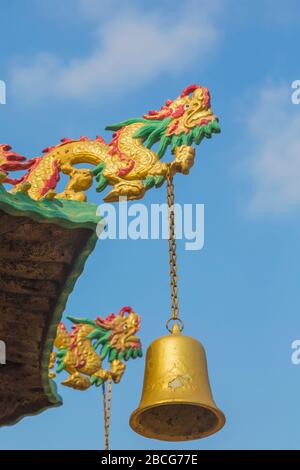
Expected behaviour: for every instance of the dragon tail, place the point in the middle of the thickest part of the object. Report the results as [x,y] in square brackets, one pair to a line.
[12,161]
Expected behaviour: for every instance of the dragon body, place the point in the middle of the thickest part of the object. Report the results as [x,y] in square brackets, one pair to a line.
[77,352]
[128,164]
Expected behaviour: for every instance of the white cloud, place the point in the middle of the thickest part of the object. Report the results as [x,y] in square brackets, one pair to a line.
[130,47]
[274,164]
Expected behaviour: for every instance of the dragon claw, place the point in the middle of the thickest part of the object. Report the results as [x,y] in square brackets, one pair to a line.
[129,189]
[77,381]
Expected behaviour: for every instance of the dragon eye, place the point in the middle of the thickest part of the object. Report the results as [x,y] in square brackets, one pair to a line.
[186,106]
[125,327]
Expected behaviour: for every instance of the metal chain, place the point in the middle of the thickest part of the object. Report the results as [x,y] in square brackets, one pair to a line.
[173,254]
[107,408]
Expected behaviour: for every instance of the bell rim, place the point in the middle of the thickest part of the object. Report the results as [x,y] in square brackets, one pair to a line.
[217,412]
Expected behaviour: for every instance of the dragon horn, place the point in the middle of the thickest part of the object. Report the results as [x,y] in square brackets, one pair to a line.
[189,89]
[125,310]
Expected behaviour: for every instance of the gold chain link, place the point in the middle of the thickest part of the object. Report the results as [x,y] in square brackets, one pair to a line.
[173,254]
[107,408]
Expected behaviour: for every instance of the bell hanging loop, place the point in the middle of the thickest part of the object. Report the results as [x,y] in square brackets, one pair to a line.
[177,325]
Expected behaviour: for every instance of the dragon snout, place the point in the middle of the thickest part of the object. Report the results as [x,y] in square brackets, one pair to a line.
[133,341]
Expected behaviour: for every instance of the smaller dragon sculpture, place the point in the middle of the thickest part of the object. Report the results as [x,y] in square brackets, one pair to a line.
[77,350]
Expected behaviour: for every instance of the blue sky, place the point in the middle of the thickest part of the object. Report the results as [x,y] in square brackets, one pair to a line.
[73,66]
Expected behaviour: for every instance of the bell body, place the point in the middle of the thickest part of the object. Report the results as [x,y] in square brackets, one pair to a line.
[177,403]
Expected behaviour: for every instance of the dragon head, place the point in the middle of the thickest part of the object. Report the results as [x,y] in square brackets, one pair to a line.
[115,334]
[183,121]
[122,330]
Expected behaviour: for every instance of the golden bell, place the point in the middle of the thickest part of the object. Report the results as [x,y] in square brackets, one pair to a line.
[177,403]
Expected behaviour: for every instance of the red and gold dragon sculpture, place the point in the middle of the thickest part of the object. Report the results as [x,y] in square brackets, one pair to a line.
[128,163]
[77,351]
